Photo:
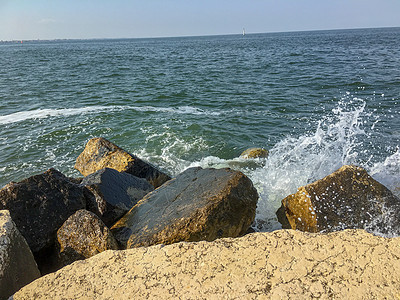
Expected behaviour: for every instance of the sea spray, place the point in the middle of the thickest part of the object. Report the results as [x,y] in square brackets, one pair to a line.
[340,137]
[285,92]
[388,172]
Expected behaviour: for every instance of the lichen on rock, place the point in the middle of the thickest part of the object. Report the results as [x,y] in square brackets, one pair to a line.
[100,153]
[83,235]
[39,205]
[199,204]
[347,198]
[255,153]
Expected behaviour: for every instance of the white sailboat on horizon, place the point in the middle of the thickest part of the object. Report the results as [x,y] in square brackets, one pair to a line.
[244,32]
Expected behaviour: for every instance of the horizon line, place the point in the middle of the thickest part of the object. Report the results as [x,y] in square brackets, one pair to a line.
[188,36]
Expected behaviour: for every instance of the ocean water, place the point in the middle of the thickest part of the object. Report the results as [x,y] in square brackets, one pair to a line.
[316,100]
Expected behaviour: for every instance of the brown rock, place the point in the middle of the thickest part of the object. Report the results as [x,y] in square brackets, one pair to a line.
[255,153]
[283,264]
[83,235]
[199,204]
[100,153]
[348,198]
[17,265]
[114,193]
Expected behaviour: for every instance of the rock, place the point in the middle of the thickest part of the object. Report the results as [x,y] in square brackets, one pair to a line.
[115,193]
[75,180]
[83,235]
[199,204]
[284,264]
[100,153]
[17,265]
[39,205]
[255,153]
[348,198]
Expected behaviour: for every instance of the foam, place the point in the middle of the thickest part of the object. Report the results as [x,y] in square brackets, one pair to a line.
[65,112]
[337,139]
[46,113]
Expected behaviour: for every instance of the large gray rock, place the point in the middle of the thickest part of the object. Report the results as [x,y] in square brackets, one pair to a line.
[199,204]
[115,193]
[100,153]
[39,205]
[83,235]
[17,265]
[347,198]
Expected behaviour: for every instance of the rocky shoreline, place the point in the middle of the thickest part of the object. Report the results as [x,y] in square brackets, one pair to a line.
[124,202]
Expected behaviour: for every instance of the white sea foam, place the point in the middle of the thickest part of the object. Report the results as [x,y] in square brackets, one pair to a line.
[296,161]
[46,113]
[65,112]
[388,172]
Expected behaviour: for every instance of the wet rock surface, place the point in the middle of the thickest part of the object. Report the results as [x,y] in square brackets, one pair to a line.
[40,204]
[348,198]
[83,235]
[17,265]
[255,153]
[100,153]
[114,193]
[199,204]
[284,264]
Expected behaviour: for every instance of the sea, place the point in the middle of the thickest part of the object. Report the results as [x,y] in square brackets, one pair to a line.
[316,100]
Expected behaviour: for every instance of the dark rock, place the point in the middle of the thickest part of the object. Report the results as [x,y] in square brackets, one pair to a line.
[348,198]
[83,235]
[17,265]
[100,153]
[39,205]
[199,204]
[115,193]
[75,180]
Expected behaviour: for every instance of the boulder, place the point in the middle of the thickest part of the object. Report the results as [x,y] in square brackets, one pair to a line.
[100,153]
[83,235]
[255,153]
[39,205]
[347,198]
[199,204]
[115,193]
[284,264]
[17,265]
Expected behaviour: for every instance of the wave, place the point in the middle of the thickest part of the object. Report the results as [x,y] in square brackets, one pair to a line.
[65,112]
[46,113]
[339,138]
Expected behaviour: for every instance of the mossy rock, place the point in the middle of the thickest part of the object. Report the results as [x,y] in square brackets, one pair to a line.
[199,204]
[100,153]
[346,199]
[255,153]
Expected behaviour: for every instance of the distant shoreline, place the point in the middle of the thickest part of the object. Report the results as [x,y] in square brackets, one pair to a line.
[21,41]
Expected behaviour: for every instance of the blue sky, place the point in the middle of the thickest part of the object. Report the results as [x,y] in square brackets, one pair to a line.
[46,19]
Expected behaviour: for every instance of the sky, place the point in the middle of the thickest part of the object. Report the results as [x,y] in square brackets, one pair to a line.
[85,19]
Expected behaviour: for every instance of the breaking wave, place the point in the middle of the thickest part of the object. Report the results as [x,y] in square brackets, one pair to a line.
[341,137]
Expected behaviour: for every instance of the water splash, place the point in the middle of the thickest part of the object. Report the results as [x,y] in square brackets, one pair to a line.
[388,172]
[341,137]
[296,161]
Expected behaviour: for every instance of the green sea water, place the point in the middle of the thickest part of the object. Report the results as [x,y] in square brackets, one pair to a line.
[317,100]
